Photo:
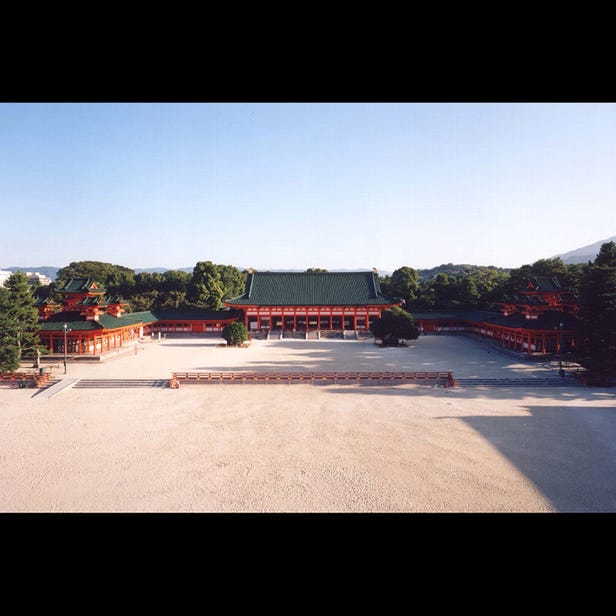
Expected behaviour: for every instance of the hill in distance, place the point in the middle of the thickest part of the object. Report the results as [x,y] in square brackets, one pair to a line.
[585,253]
[46,270]
[578,255]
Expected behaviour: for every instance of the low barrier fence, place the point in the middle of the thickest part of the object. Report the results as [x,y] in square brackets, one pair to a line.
[204,378]
[24,379]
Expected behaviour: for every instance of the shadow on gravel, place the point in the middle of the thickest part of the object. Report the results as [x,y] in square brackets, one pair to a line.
[569,453]
[490,393]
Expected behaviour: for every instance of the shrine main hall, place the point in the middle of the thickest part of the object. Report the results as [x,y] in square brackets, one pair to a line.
[307,301]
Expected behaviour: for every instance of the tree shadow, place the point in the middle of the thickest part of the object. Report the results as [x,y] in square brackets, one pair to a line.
[568,452]
[193,345]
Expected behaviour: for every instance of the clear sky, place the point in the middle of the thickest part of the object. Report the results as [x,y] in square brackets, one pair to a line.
[285,185]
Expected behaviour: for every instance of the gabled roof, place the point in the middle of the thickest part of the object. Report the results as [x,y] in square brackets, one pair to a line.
[115,299]
[82,285]
[543,283]
[312,289]
[43,301]
[77,322]
[95,300]
[74,320]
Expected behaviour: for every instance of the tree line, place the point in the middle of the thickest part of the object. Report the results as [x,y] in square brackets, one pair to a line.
[205,288]
[479,287]
[442,288]
[473,287]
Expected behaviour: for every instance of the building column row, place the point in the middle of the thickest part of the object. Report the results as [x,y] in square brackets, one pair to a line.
[296,313]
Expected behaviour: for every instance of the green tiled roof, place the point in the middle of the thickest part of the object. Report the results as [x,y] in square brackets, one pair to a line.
[144,316]
[74,320]
[82,285]
[77,322]
[544,283]
[91,301]
[194,315]
[42,301]
[547,321]
[312,289]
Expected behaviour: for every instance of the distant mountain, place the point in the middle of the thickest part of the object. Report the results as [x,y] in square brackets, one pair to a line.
[52,272]
[46,270]
[162,270]
[585,253]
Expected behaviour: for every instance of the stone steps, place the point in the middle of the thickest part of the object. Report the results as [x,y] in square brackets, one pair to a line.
[119,383]
[567,381]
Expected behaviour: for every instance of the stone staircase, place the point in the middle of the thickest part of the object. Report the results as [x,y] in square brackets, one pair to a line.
[547,381]
[119,383]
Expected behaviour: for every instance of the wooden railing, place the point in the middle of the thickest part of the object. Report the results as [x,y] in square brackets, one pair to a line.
[197,378]
[24,379]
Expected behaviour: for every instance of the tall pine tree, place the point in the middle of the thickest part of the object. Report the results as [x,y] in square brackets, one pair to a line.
[597,351]
[18,322]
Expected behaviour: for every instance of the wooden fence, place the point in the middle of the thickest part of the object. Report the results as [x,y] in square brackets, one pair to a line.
[204,378]
[24,379]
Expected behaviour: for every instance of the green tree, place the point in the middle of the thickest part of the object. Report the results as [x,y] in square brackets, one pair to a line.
[550,267]
[491,283]
[146,300]
[445,290]
[148,281]
[233,280]
[469,295]
[394,324]
[170,300]
[597,350]
[18,322]
[573,277]
[554,268]
[235,333]
[518,278]
[174,280]
[9,335]
[206,288]
[404,283]
[115,278]
[426,298]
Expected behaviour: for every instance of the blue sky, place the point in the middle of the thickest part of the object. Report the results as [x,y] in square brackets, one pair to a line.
[339,186]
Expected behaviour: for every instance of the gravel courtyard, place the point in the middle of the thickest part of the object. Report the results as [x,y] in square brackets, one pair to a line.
[333,448]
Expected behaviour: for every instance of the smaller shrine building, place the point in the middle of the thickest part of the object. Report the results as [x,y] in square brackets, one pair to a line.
[93,323]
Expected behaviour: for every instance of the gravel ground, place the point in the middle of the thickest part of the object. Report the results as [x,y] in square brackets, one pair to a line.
[304,448]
